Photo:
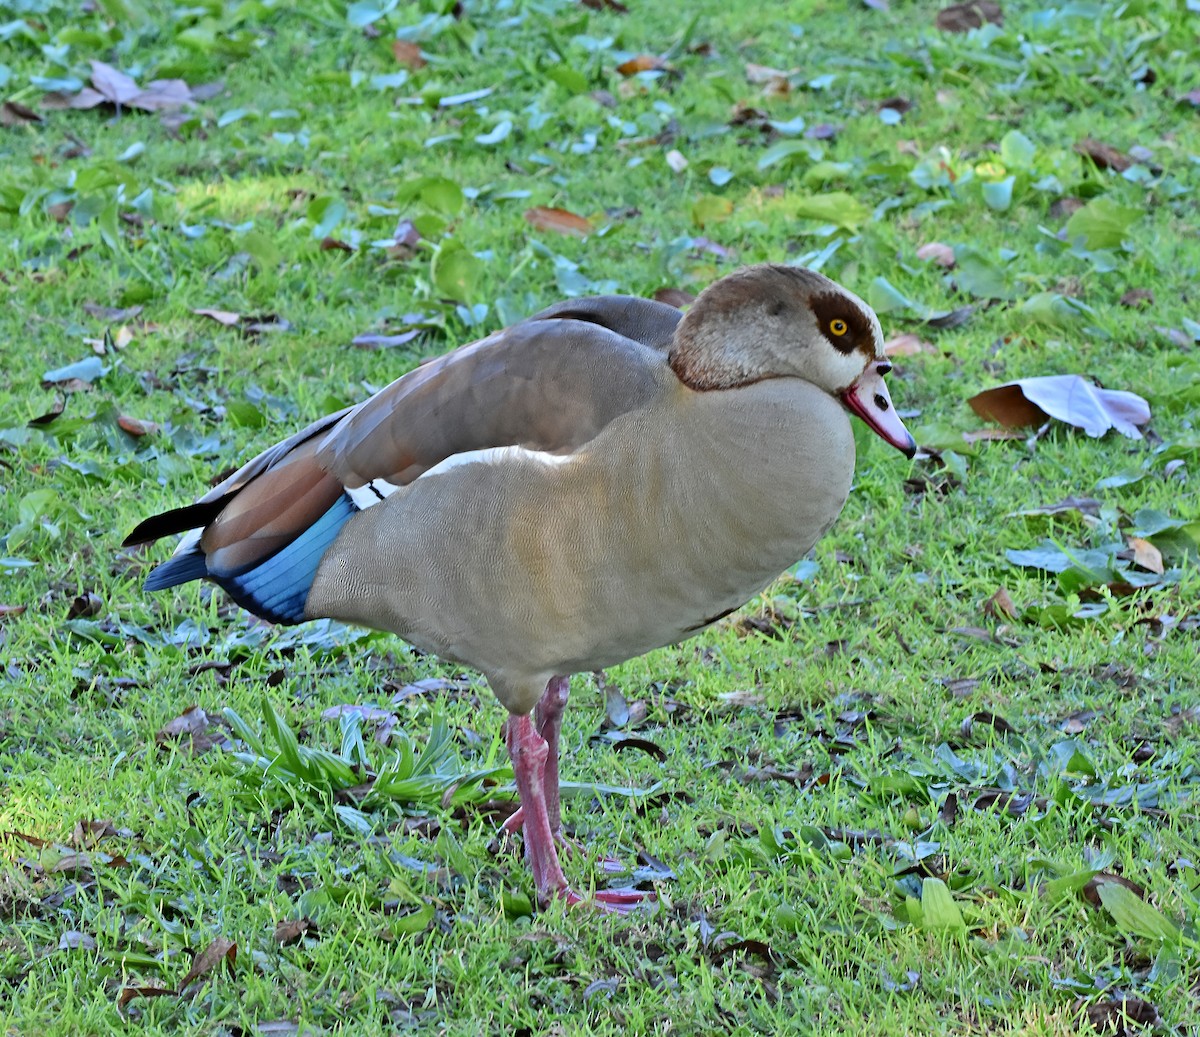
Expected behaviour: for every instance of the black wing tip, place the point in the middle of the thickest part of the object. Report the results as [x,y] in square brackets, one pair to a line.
[177,520]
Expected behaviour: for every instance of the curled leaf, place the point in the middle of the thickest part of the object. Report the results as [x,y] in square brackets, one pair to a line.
[1070,398]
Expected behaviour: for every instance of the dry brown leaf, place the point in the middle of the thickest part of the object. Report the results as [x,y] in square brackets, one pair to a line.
[11,610]
[606,5]
[225,317]
[14,113]
[88,833]
[129,993]
[408,54]
[1000,605]
[208,959]
[1070,398]
[907,344]
[135,426]
[935,251]
[1138,297]
[558,220]
[293,930]
[335,245]
[643,63]
[191,721]
[969,15]
[1146,555]
[1104,155]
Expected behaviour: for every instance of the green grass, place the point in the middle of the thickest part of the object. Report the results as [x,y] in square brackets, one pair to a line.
[828,750]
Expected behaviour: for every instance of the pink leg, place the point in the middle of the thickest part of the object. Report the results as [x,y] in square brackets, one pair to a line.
[529,751]
[530,757]
[548,717]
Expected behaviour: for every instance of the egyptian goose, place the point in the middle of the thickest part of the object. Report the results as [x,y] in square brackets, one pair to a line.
[606,477]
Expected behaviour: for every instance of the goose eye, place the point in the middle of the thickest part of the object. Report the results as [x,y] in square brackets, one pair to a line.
[838,326]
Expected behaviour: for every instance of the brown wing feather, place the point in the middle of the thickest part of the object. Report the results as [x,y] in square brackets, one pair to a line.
[550,383]
[646,321]
[547,384]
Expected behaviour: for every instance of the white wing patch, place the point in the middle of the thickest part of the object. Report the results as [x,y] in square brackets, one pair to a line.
[380,489]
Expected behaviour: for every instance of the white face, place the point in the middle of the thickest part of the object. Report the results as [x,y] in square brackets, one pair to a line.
[834,337]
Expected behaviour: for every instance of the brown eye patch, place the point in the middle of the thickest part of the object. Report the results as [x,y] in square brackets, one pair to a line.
[843,323]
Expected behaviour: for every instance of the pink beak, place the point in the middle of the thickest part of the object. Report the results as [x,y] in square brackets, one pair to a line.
[869,399]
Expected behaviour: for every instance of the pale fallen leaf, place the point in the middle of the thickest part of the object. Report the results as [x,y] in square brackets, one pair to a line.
[1146,555]
[761,75]
[907,344]
[1070,398]
[676,161]
[558,220]
[225,317]
[938,253]
[113,85]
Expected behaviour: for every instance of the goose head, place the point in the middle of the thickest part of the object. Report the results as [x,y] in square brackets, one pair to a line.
[771,321]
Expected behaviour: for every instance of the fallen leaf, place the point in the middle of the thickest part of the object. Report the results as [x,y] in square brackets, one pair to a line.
[129,993]
[1000,605]
[75,377]
[113,85]
[1062,208]
[761,75]
[1138,297]
[969,15]
[1069,398]
[1104,155]
[73,940]
[907,344]
[88,833]
[606,5]
[192,725]
[13,113]
[293,930]
[112,314]
[558,220]
[676,161]
[1083,505]
[821,131]
[642,63]
[408,54]
[208,959]
[163,95]
[1146,555]
[224,317]
[11,610]
[135,426]
[373,341]
[938,253]
[1123,1018]
[335,244]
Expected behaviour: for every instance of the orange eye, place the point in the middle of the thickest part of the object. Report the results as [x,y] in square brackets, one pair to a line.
[838,326]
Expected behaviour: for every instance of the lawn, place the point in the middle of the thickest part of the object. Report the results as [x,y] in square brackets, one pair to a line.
[941,777]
